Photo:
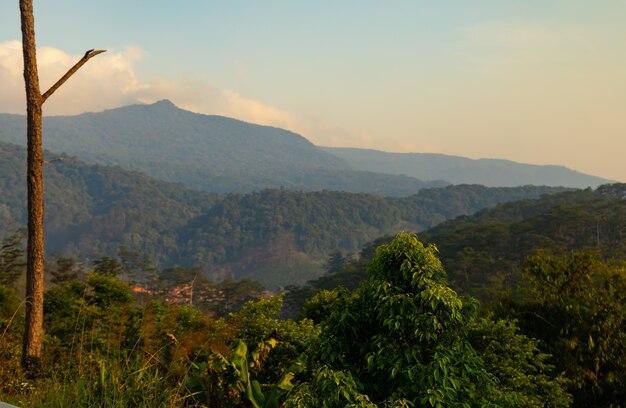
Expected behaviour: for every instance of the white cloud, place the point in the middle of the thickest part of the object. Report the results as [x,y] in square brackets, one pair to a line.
[110,80]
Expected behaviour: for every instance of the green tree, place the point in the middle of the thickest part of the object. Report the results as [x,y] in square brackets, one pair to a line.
[12,261]
[106,265]
[523,373]
[401,335]
[137,266]
[404,338]
[336,261]
[576,306]
[65,269]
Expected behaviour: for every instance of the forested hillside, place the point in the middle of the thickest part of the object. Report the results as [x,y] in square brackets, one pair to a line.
[275,236]
[204,152]
[488,249]
[484,253]
[91,210]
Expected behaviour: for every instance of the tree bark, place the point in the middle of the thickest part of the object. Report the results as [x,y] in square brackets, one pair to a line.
[33,334]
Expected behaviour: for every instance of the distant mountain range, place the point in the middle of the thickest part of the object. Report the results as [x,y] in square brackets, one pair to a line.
[461,170]
[209,153]
[278,237]
[218,154]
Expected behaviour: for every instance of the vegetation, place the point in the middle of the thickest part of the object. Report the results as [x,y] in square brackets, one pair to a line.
[402,338]
[487,250]
[143,319]
[278,237]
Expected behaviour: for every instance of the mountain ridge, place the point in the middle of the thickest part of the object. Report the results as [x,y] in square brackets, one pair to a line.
[463,170]
[205,152]
[219,154]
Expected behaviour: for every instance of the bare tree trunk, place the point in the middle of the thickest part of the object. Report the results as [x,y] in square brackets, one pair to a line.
[33,335]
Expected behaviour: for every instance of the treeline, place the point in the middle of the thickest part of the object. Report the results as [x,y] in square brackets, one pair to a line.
[401,338]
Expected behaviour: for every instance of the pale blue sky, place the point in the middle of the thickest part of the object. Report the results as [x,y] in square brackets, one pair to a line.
[532,81]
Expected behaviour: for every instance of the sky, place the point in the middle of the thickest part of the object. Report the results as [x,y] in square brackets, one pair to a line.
[534,81]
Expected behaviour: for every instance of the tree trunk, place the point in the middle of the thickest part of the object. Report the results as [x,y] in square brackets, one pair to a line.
[33,335]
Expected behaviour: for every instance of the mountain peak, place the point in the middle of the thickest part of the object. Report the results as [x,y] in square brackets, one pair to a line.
[164,103]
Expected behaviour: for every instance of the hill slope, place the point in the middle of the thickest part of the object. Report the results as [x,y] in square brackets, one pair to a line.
[276,236]
[210,153]
[461,170]
[489,247]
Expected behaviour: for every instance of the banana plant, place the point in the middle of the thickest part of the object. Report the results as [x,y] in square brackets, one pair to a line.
[234,373]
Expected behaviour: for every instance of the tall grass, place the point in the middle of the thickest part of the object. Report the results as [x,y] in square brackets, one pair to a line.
[94,367]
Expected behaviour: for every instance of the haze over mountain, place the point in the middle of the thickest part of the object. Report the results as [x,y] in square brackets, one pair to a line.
[462,170]
[210,153]
[219,154]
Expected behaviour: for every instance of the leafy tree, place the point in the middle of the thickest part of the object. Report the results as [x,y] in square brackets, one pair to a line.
[401,334]
[12,261]
[523,373]
[106,265]
[65,269]
[108,291]
[405,338]
[336,261]
[576,306]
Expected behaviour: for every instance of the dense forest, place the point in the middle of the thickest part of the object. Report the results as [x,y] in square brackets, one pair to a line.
[484,253]
[196,260]
[278,237]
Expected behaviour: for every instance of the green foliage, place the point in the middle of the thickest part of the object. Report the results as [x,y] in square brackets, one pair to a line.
[485,253]
[576,306]
[522,372]
[137,266]
[114,383]
[108,291]
[401,335]
[12,260]
[329,388]
[106,265]
[11,328]
[319,307]
[235,384]
[65,269]
[336,261]
[65,308]
[276,237]
[404,338]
